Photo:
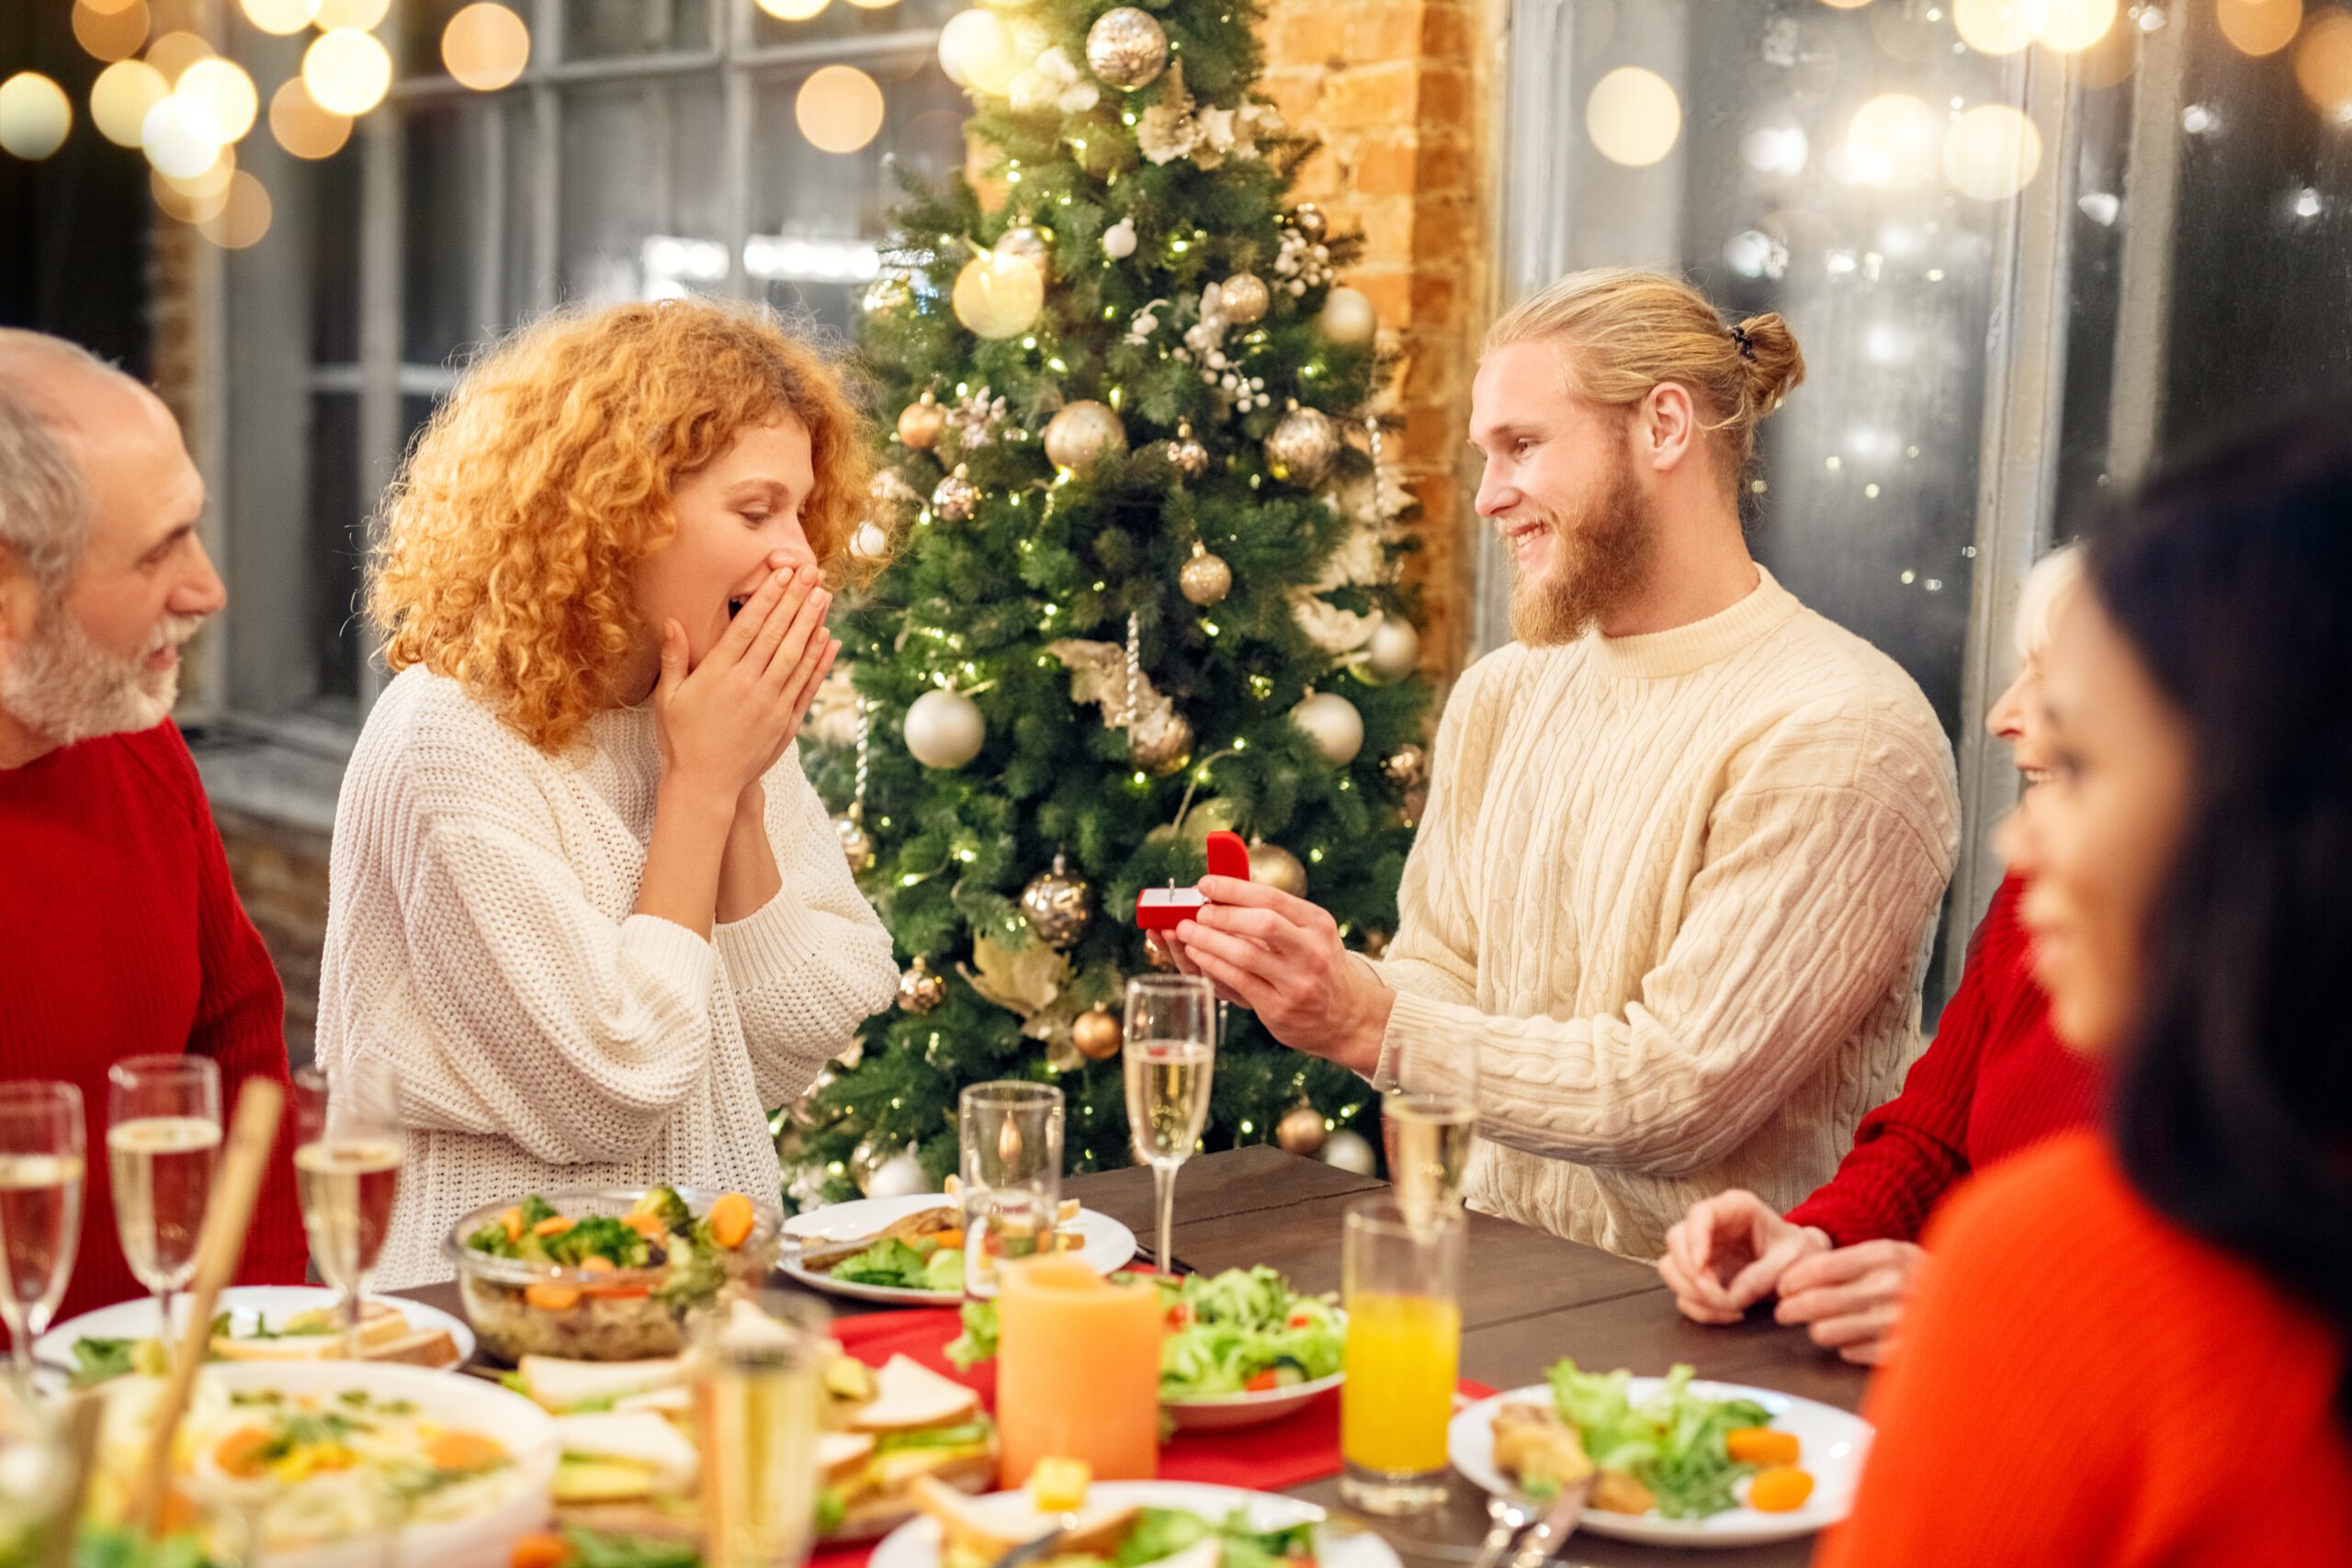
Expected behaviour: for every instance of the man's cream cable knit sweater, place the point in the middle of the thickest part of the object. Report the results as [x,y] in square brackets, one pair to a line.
[480,934]
[1675,894]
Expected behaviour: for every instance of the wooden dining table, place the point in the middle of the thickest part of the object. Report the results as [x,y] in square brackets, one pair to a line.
[1528,1299]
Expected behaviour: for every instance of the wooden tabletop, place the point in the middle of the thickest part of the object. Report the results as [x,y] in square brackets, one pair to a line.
[1528,1299]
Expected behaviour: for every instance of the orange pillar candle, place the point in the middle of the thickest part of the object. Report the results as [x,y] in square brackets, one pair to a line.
[1077,1371]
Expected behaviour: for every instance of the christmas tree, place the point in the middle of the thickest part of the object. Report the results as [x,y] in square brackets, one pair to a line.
[1141,584]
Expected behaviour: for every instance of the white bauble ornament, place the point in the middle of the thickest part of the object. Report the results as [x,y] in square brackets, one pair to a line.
[1083,434]
[1332,722]
[870,543]
[900,1176]
[1348,317]
[1119,239]
[1127,48]
[1349,1150]
[1394,651]
[945,730]
[998,296]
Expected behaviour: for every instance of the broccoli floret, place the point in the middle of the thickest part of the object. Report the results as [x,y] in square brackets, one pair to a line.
[534,1208]
[600,1235]
[492,1238]
[664,1204]
[695,1279]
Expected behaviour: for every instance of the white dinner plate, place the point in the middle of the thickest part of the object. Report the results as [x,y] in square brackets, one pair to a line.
[1108,1243]
[247,1305]
[915,1544]
[1834,1445]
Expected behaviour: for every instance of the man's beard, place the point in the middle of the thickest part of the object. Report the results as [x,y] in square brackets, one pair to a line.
[1602,559]
[62,684]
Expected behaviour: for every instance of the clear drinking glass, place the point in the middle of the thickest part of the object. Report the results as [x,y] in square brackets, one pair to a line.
[1170,1057]
[758,1362]
[347,1152]
[1011,1133]
[163,1142]
[1429,1121]
[41,1153]
[1402,1281]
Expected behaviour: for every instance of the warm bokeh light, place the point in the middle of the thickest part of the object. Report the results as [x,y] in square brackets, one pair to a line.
[1845,4]
[839,108]
[212,182]
[222,87]
[485,46]
[2323,65]
[2260,26]
[191,201]
[121,98]
[2068,26]
[181,137]
[243,217]
[976,49]
[1632,116]
[109,7]
[1992,153]
[281,17]
[348,71]
[175,52]
[360,14]
[793,10]
[873,4]
[113,33]
[1895,142]
[1996,26]
[35,115]
[301,126]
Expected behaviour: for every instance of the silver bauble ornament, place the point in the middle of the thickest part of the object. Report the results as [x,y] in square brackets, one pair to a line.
[919,990]
[1394,651]
[857,844]
[1301,1131]
[900,1176]
[1334,725]
[1058,905]
[1271,865]
[945,728]
[1027,241]
[1303,447]
[1127,48]
[956,497]
[1184,452]
[1246,297]
[1164,748]
[1349,1150]
[1308,220]
[1097,1035]
[1204,580]
[1408,767]
[1083,434]
[864,1161]
[922,423]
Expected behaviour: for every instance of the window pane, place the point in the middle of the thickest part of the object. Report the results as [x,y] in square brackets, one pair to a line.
[334,240]
[602,29]
[642,206]
[845,18]
[465,212]
[337,536]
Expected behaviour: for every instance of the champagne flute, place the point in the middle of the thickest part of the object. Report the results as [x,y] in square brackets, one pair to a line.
[348,1173]
[41,1151]
[1429,1121]
[1171,1056]
[163,1140]
[1010,1149]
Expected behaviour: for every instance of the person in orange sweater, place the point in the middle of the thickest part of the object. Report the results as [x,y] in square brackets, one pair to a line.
[2131,1347]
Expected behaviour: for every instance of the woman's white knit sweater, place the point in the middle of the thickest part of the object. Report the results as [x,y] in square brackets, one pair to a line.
[480,935]
[1674,895]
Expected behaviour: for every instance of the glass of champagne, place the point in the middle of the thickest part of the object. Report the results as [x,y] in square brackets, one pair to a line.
[1171,1056]
[758,1362]
[347,1172]
[1402,1282]
[163,1139]
[1010,1155]
[41,1153]
[1429,1121]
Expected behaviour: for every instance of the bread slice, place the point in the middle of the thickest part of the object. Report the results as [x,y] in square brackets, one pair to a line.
[910,1396]
[989,1533]
[559,1385]
[841,1454]
[433,1348]
[632,1437]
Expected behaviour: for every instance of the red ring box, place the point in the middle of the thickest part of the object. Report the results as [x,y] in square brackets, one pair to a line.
[1165,909]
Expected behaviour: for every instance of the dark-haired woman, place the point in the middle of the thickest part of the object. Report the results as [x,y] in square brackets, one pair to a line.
[2131,1347]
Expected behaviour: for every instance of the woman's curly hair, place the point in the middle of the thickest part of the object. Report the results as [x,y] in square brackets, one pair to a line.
[507,545]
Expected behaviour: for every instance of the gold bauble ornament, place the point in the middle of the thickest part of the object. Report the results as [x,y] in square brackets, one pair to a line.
[998,297]
[1303,447]
[1246,297]
[1164,748]
[919,990]
[857,844]
[1271,865]
[1058,905]
[1028,242]
[956,498]
[1301,1131]
[1206,579]
[1127,48]
[1185,453]
[1083,434]
[1097,1035]
[1308,220]
[1408,767]
[1158,955]
[922,423]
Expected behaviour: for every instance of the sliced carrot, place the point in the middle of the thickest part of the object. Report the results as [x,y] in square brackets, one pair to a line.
[551,1297]
[1780,1490]
[513,1221]
[1761,1445]
[731,1218]
[238,1453]
[646,1225]
[554,1226]
[596,1263]
[949,1240]
[464,1450]
[540,1550]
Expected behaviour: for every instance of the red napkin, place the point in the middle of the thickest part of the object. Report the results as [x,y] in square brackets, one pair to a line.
[1289,1452]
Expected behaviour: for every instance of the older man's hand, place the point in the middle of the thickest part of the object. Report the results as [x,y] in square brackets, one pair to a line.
[1281,957]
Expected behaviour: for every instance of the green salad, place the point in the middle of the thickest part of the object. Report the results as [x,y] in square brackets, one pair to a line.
[901,1267]
[1244,1331]
[1161,1533]
[1672,1442]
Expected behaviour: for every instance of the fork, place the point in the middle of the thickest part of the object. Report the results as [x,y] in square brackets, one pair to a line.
[1507,1516]
[1559,1522]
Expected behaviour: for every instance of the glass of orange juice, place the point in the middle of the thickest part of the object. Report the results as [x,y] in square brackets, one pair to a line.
[1402,1275]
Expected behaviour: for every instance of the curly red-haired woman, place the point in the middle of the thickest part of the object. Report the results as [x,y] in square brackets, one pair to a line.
[582,895]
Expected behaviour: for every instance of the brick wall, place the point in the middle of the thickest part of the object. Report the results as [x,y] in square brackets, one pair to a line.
[281,874]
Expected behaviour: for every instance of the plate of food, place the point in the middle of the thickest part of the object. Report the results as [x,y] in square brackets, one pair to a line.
[255,1323]
[1125,1524]
[1243,1349]
[604,1276]
[1682,1462]
[911,1250]
[630,1463]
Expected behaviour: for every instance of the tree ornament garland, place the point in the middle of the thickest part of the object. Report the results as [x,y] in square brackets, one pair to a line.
[922,423]
[919,990]
[945,728]
[1058,905]
[1271,865]
[1097,1033]
[956,497]
[1083,434]
[1301,1131]
[1333,724]
[1206,579]
[1303,447]
[1184,452]
[998,296]
[1127,48]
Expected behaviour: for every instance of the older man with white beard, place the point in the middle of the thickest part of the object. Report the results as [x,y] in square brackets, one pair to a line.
[1675,886]
[121,933]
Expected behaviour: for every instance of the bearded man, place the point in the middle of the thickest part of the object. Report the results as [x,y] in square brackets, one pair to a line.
[121,933]
[1674,891]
